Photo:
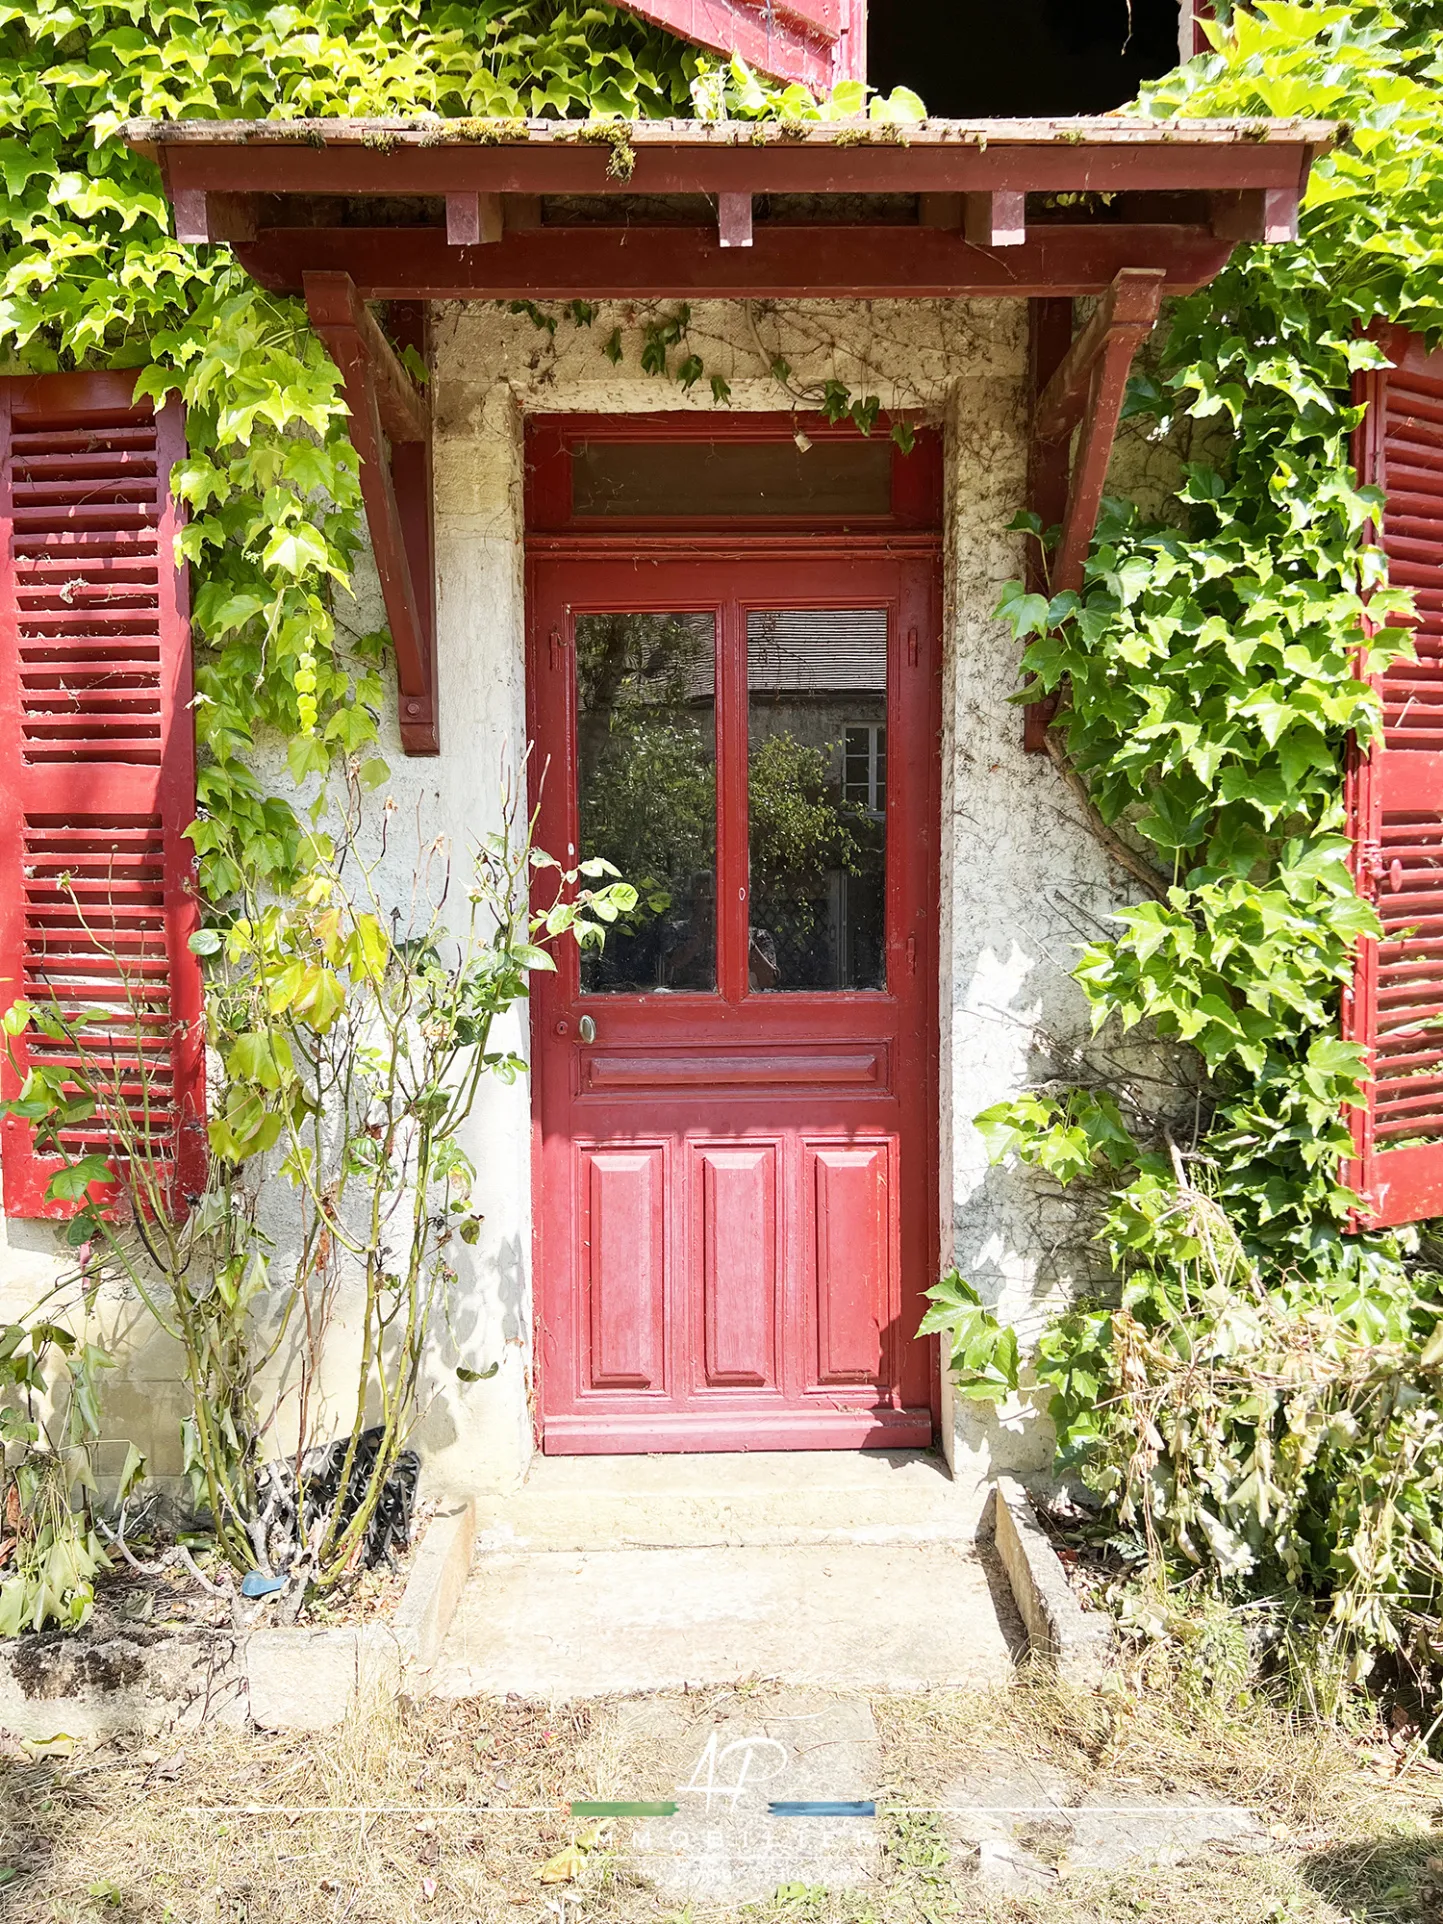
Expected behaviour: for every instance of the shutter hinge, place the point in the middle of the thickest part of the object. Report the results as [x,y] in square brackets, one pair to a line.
[911,647]
[911,955]
[555,646]
[1370,866]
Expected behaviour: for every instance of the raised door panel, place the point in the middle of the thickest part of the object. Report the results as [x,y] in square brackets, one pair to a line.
[736,1191]
[850,1192]
[623,1239]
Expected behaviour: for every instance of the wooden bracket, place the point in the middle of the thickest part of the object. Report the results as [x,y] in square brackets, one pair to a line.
[386,406]
[1084,389]
[202,217]
[474,220]
[996,220]
[987,220]
[1257,214]
[734,220]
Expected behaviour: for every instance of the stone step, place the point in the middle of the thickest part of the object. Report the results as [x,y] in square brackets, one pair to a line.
[556,1624]
[765,1499]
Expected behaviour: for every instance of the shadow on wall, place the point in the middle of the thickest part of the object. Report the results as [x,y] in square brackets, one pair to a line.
[976,60]
[484,1318]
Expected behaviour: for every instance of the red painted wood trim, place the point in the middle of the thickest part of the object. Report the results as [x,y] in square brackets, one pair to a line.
[734,220]
[662,263]
[1087,386]
[917,483]
[1124,317]
[118,800]
[1394,799]
[177,812]
[347,326]
[814,42]
[382,399]
[995,220]
[474,220]
[843,1416]
[1147,160]
[1128,316]
[1049,334]
[1265,214]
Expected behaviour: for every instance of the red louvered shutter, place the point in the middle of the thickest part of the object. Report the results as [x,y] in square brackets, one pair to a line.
[97,755]
[1395,809]
[817,42]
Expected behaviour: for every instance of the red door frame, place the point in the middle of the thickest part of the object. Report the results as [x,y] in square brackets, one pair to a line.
[889,561]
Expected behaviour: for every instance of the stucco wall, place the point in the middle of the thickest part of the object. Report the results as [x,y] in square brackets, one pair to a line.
[1023,884]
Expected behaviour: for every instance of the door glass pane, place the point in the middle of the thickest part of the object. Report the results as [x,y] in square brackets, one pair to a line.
[646,756]
[817,795]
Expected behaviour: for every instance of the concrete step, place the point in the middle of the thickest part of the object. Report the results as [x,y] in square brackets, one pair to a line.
[552,1625]
[765,1499]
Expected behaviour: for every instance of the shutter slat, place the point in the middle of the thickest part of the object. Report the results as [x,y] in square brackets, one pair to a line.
[97,743]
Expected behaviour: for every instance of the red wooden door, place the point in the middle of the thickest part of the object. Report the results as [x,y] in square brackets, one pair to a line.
[735,1102]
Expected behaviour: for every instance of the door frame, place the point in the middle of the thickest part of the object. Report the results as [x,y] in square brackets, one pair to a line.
[913,535]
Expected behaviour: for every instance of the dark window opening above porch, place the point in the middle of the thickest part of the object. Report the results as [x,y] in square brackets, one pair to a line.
[974,59]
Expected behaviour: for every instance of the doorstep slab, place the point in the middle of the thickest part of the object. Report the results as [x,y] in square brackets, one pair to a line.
[736,1499]
[556,1625]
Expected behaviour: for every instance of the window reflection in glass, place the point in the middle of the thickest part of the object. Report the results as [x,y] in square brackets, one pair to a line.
[646,756]
[817,797]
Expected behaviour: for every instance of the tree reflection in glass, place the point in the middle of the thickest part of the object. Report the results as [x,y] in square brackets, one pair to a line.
[817,801]
[646,752]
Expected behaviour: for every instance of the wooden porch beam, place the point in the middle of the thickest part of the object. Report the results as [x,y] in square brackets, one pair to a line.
[556,157]
[1049,338]
[395,487]
[685,263]
[1126,313]
[338,314]
[1086,392]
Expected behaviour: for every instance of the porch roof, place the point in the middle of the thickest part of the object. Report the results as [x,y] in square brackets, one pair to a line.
[458,209]
[349,212]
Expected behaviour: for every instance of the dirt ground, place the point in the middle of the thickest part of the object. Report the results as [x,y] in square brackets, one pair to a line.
[394,1817]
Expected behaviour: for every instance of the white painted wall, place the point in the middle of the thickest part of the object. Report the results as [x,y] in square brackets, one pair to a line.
[1023,883]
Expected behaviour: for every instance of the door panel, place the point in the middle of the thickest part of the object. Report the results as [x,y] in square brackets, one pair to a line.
[736,1207]
[624,1257]
[851,1224]
[737,1204]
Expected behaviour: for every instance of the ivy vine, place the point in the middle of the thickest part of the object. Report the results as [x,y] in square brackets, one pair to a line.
[1244,1386]
[90,276]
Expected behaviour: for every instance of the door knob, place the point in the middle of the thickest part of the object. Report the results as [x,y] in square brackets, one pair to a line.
[586,1029]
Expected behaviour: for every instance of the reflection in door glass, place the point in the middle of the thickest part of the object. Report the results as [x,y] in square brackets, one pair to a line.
[646,774]
[817,796]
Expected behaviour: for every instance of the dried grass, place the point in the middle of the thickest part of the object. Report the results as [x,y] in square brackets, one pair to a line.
[122,1835]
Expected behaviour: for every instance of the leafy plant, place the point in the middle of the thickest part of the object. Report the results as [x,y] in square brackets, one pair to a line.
[352,1048]
[983,1355]
[1252,1396]
[50,1554]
